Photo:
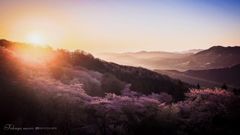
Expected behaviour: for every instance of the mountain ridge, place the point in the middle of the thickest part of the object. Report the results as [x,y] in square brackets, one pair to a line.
[210,78]
[214,57]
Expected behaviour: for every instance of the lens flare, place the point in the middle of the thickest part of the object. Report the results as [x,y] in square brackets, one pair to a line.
[35,39]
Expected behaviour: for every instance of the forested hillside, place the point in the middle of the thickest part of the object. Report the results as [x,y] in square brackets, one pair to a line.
[54,92]
[141,80]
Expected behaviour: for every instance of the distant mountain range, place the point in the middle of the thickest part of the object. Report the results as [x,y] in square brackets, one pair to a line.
[143,58]
[208,78]
[214,57]
[191,51]
[210,68]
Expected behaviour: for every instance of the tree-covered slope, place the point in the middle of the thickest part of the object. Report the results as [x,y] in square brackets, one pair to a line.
[141,80]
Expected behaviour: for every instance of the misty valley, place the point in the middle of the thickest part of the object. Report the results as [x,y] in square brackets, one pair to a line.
[211,67]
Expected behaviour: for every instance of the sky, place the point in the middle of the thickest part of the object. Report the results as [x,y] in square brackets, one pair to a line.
[122,25]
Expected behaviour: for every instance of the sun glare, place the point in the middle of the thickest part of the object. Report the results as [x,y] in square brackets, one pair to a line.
[35,39]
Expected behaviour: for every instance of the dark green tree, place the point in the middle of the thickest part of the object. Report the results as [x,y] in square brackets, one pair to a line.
[224,86]
[111,84]
[235,91]
[198,86]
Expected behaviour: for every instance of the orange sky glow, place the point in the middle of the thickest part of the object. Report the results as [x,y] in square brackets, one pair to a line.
[120,26]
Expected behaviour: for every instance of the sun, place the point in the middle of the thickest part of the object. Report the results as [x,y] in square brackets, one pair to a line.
[35,39]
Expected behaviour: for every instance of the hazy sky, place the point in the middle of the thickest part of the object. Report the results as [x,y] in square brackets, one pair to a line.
[122,25]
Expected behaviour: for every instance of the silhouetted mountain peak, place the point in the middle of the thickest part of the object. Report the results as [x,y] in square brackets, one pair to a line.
[221,50]
[216,47]
[222,47]
[237,66]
